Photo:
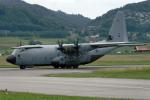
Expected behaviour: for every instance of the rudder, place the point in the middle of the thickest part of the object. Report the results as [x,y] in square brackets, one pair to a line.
[118,31]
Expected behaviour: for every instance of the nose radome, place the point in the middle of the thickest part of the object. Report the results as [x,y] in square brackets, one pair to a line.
[11,59]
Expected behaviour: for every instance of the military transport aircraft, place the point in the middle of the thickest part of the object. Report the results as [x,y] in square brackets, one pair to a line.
[71,55]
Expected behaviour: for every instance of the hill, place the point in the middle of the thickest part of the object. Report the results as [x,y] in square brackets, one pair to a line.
[137,17]
[18,18]
[22,19]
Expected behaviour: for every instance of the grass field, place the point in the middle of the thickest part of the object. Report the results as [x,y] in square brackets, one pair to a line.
[131,73]
[4,64]
[8,42]
[31,96]
[109,60]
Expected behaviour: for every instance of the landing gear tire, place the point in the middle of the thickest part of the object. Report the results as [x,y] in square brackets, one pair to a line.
[62,67]
[68,67]
[75,67]
[56,67]
[22,67]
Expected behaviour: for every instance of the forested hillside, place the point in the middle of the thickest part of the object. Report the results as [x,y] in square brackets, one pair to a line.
[20,18]
[137,17]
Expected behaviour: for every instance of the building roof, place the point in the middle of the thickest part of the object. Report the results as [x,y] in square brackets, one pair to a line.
[142,48]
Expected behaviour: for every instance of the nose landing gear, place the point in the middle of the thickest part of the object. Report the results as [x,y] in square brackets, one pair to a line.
[22,67]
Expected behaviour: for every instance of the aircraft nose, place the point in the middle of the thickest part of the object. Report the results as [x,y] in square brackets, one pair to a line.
[11,59]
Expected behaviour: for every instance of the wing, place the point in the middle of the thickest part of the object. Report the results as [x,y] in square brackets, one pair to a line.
[69,49]
[114,44]
[27,47]
[73,49]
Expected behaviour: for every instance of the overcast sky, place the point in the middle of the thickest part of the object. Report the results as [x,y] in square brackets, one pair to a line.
[88,8]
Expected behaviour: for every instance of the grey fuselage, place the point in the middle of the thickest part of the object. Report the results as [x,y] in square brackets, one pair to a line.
[50,55]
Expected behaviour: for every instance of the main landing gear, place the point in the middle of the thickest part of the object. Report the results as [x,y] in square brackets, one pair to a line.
[67,67]
[22,67]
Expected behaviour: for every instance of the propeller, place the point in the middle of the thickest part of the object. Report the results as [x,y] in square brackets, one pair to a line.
[20,43]
[69,50]
[60,44]
[77,46]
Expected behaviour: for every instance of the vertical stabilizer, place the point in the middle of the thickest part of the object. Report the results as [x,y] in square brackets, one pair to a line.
[118,31]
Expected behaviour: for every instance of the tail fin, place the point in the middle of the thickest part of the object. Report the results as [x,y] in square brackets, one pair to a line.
[118,31]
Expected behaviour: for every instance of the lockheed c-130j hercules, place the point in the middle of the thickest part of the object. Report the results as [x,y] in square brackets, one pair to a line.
[71,55]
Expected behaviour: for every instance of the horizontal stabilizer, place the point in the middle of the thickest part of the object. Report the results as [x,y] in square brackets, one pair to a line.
[117,44]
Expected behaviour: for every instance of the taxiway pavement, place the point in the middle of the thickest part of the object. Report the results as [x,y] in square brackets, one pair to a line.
[32,81]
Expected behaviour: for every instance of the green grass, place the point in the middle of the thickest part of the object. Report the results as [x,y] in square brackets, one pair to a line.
[31,96]
[109,60]
[8,42]
[4,64]
[131,73]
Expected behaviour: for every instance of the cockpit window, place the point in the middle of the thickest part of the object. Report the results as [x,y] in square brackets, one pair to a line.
[16,51]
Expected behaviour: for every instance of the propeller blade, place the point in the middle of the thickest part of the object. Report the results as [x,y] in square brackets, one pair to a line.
[76,43]
[20,44]
[60,44]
